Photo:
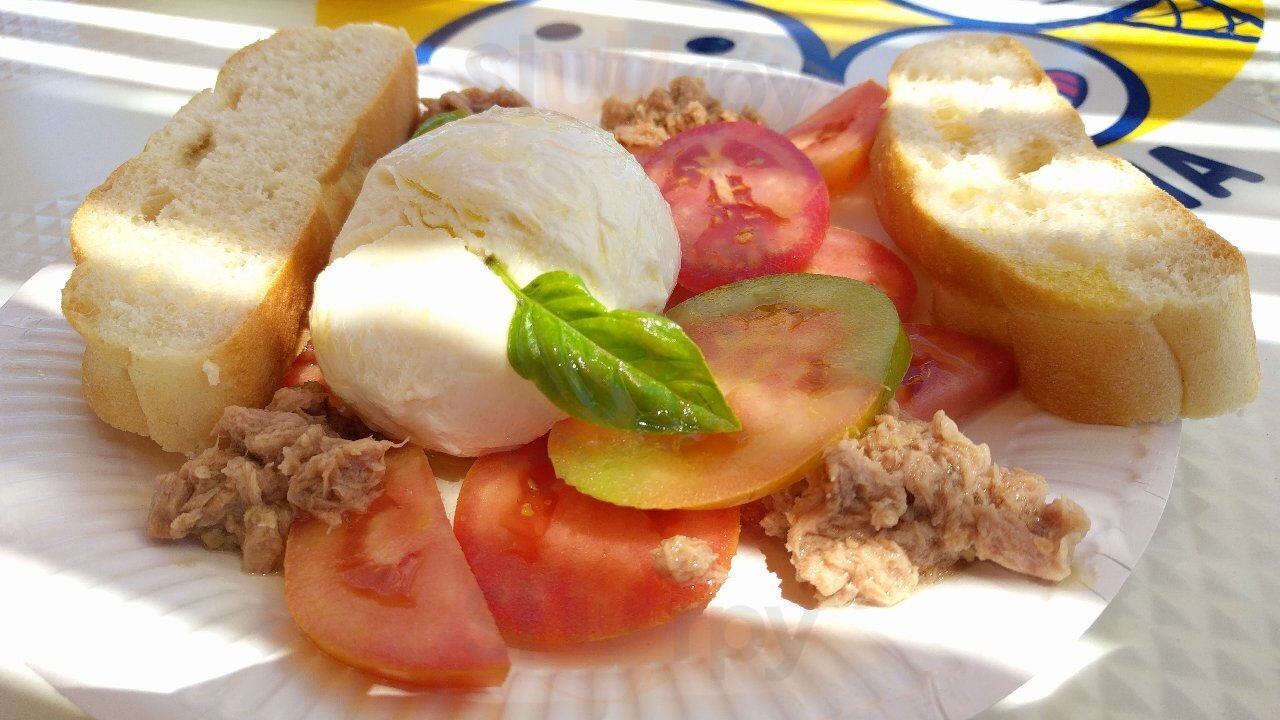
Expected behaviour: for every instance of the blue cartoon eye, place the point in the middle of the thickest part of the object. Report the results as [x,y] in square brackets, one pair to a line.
[710,45]
[558,31]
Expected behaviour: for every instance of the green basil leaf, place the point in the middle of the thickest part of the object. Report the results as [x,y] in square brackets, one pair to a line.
[439,119]
[623,369]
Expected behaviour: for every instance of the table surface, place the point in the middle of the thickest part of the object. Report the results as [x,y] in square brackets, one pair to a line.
[1194,632]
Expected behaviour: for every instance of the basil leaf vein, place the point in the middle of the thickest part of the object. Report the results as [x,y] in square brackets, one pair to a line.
[623,369]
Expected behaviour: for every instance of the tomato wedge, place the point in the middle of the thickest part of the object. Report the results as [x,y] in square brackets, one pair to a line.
[745,201]
[838,136]
[802,359]
[557,566]
[389,591]
[854,255]
[954,372]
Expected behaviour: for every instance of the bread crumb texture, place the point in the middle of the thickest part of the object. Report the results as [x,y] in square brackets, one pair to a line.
[987,177]
[1000,157]
[220,224]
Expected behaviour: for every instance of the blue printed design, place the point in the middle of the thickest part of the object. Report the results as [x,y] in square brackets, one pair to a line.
[816,59]
[1163,15]
[970,22]
[709,45]
[1205,173]
[1232,19]
[557,32]
[1130,14]
[435,40]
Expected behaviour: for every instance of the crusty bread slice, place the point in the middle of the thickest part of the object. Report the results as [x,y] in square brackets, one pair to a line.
[1120,305]
[195,259]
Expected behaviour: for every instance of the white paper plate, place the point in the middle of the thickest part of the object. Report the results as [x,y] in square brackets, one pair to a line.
[132,629]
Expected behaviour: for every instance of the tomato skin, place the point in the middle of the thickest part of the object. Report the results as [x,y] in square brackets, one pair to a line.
[745,202]
[853,255]
[678,295]
[640,153]
[559,567]
[389,592]
[953,371]
[837,137]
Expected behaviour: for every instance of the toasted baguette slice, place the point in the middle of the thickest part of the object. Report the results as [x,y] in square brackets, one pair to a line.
[195,259]
[1119,304]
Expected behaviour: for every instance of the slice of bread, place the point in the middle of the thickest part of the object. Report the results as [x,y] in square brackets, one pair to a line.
[1119,304]
[195,259]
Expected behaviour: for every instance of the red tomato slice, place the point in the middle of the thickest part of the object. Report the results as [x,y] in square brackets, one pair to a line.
[640,153]
[745,201]
[558,566]
[838,137]
[853,255]
[389,591]
[953,371]
[678,295]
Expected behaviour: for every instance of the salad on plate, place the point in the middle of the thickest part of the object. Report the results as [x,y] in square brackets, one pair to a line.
[645,358]
[662,419]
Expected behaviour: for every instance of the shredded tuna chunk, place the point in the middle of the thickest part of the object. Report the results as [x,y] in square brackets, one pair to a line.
[687,560]
[267,466]
[309,399]
[473,100]
[909,499]
[330,475]
[648,122]
[261,434]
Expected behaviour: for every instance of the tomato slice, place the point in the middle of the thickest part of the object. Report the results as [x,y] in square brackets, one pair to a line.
[801,359]
[557,566]
[745,201]
[850,254]
[389,591]
[678,295]
[954,372]
[838,136]
[853,255]
[640,153]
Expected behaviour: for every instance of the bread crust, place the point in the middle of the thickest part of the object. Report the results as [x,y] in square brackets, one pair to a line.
[1088,348]
[173,394]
